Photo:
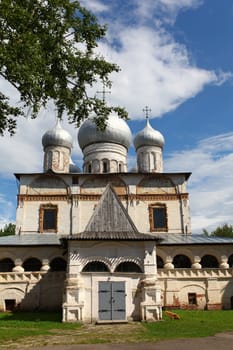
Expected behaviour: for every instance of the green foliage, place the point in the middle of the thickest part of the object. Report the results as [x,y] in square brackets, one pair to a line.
[8,230]
[221,231]
[47,53]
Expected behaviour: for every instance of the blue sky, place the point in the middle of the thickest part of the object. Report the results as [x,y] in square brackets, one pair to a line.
[176,56]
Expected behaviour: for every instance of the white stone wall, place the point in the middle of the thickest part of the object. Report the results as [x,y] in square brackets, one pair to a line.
[213,288]
[81,291]
[38,290]
[74,213]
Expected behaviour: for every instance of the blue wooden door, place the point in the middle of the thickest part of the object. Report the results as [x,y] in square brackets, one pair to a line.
[111,301]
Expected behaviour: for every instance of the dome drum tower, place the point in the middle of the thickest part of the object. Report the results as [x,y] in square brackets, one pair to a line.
[149,159]
[104,158]
[149,147]
[57,144]
[105,151]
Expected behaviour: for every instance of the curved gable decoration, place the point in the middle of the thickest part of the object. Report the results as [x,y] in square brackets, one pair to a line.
[48,184]
[156,185]
[98,185]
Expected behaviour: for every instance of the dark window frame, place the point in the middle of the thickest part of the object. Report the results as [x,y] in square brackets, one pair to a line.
[153,226]
[105,165]
[192,298]
[43,209]
[75,180]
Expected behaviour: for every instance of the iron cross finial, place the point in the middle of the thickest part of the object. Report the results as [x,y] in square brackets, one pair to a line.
[103,92]
[146,110]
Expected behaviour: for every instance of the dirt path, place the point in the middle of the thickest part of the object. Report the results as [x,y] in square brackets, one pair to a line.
[115,337]
[217,342]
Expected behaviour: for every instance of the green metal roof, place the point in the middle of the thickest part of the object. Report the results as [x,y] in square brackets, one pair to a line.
[35,239]
[181,239]
[163,239]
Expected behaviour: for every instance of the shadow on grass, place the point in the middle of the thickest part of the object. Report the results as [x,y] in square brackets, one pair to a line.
[32,316]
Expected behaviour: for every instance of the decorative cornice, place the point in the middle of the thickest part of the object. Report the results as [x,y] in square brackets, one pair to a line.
[96,197]
[161,197]
[46,197]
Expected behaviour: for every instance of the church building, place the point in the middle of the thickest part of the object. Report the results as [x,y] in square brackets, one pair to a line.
[108,243]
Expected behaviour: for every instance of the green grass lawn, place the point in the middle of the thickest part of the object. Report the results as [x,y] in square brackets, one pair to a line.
[191,324]
[28,324]
[47,328]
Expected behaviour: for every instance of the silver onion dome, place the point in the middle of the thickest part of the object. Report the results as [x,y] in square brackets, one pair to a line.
[148,137]
[117,131]
[57,137]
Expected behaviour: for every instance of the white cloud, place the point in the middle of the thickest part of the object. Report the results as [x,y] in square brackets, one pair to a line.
[155,70]
[94,5]
[166,10]
[210,186]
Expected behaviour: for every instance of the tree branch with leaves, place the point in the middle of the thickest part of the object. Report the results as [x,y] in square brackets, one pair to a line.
[47,52]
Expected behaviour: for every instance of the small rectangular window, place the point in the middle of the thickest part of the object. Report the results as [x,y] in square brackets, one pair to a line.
[48,218]
[192,298]
[75,180]
[158,217]
[105,167]
[10,304]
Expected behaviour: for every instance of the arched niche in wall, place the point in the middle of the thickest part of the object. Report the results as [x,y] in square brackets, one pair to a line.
[209,261]
[181,261]
[128,266]
[97,185]
[95,266]
[58,264]
[32,264]
[48,184]
[159,261]
[230,260]
[156,184]
[6,265]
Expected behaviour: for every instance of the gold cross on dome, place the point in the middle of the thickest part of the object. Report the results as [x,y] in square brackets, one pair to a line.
[103,92]
[146,110]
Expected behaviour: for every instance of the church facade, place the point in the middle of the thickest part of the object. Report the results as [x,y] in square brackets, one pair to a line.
[107,244]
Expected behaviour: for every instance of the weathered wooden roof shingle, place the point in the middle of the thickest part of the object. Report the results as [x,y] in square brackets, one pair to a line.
[110,215]
[110,221]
